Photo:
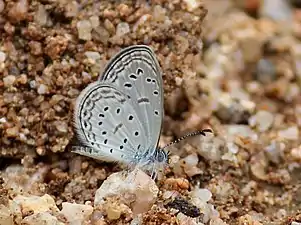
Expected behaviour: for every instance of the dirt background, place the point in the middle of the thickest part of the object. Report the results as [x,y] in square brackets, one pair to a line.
[232,66]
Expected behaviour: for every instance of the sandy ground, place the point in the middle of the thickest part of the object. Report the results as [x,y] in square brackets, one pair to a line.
[232,66]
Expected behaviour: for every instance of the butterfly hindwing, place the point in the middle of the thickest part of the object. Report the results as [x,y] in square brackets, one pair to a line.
[107,124]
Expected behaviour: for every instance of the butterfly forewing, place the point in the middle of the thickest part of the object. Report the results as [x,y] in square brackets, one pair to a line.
[136,71]
[108,124]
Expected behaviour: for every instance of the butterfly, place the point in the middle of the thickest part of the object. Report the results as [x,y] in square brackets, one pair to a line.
[119,117]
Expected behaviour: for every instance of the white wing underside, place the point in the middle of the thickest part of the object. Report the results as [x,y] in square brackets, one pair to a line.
[121,114]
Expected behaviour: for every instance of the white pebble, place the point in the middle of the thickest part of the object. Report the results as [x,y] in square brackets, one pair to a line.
[263,120]
[92,55]
[122,29]
[94,20]
[203,195]
[76,214]
[137,190]
[41,15]
[9,80]
[36,204]
[192,4]
[84,28]
[2,57]
[42,89]
[295,223]
[291,133]
[44,218]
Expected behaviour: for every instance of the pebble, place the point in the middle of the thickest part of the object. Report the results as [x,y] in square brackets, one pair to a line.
[199,198]
[42,89]
[266,71]
[270,9]
[84,29]
[262,120]
[94,56]
[291,133]
[94,20]
[12,131]
[2,6]
[275,151]
[61,126]
[241,131]
[9,80]
[43,218]
[101,34]
[122,29]
[19,11]
[41,15]
[76,214]
[295,223]
[2,57]
[137,190]
[6,217]
[296,154]
[192,4]
[190,166]
[36,204]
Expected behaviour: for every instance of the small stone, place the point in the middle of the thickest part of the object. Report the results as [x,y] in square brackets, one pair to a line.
[43,218]
[275,151]
[296,154]
[93,56]
[41,15]
[6,217]
[122,29]
[94,20]
[263,120]
[203,195]
[55,46]
[61,126]
[101,34]
[76,213]
[176,183]
[114,210]
[36,204]
[9,80]
[192,4]
[248,219]
[2,57]
[35,47]
[72,9]
[84,29]
[2,6]
[270,9]
[291,133]
[12,132]
[42,89]
[190,165]
[295,223]
[137,190]
[266,71]
[19,11]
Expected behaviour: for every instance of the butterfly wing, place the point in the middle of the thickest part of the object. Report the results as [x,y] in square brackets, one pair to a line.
[136,71]
[103,116]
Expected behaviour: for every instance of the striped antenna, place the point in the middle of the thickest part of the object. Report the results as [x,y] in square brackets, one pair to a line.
[202,132]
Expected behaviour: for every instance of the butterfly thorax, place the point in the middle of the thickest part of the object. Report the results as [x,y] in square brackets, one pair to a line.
[151,160]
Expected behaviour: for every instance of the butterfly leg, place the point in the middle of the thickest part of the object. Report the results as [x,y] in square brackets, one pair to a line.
[154,173]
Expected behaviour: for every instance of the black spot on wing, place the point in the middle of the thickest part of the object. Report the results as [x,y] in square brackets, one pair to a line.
[143,100]
[117,128]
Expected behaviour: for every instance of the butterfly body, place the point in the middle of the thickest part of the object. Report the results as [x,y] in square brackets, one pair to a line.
[119,117]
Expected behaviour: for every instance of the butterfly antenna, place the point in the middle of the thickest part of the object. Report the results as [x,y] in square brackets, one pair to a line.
[202,132]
